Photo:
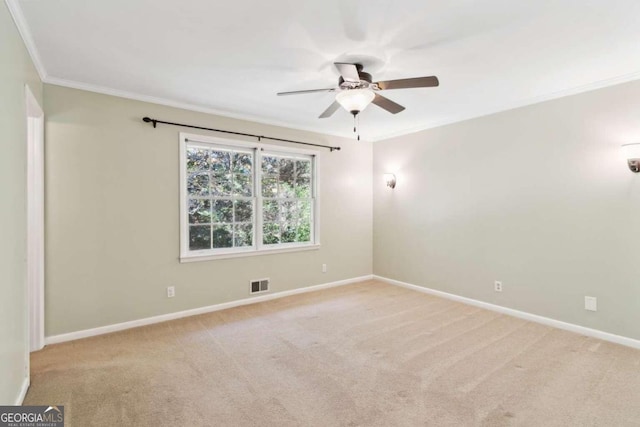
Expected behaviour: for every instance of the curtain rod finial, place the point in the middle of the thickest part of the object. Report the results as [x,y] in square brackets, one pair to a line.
[148,119]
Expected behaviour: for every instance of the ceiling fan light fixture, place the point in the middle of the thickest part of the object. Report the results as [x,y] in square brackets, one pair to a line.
[355,100]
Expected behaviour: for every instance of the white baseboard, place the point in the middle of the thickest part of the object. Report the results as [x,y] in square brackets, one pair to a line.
[23,391]
[201,310]
[606,336]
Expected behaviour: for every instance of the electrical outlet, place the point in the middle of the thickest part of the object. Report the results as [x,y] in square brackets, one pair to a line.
[591,303]
[171,291]
[497,286]
[324,268]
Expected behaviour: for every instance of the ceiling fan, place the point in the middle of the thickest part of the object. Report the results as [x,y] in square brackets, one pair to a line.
[356,90]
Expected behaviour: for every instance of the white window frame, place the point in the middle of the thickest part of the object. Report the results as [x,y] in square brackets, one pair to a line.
[258,247]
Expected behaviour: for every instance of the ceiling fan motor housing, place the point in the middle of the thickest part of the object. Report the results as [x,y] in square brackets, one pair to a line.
[365,80]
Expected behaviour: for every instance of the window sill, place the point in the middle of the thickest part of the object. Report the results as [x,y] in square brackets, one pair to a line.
[197,258]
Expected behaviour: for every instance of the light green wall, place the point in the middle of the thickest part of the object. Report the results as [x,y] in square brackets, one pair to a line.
[16,71]
[113,215]
[537,197]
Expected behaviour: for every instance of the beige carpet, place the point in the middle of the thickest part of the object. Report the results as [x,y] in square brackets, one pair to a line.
[368,354]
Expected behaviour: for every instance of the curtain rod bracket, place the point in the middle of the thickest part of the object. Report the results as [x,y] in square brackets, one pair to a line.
[155,122]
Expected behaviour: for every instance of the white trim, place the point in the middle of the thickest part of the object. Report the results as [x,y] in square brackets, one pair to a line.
[582,330]
[193,312]
[89,87]
[254,252]
[516,104]
[315,218]
[25,33]
[447,121]
[257,148]
[231,144]
[35,221]
[23,391]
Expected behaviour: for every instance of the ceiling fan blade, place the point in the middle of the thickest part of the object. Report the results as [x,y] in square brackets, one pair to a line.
[387,104]
[349,72]
[297,92]
[431,81]
[330,110]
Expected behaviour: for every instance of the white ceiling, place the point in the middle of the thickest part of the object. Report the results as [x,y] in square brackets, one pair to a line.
[231,57]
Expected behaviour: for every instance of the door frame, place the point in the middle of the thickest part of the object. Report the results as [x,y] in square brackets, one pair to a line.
[35,221]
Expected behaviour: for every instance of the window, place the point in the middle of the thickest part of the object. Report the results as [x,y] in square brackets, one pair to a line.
[242,199]
[286,199]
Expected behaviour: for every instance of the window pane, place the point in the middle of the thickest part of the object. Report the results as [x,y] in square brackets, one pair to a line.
[242,163]
[220,162]
[221,185]
[199,237]
[286,178]
[242,185]
[271,233]
[270,186]
[222,236]
[269,165]
[296,221]
[303,168]
[303,233]
[222,211]
[304,211]
[289,232]
[303,187]
[198,184]
[303,179]
[289,211]
[270,210]
[197,159]
[243,235]
[199,211]
[243,210]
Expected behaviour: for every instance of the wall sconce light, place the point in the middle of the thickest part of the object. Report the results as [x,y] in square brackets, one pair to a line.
[631,152]
[390,180]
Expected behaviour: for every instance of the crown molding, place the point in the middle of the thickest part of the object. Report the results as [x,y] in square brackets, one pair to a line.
[447,121]
[25,33]
[600,84]
[182,105]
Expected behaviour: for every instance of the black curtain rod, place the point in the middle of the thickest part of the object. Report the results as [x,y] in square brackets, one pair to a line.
[260,137]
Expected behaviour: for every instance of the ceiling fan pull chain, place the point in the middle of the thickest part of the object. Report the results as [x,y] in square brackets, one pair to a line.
[356,123]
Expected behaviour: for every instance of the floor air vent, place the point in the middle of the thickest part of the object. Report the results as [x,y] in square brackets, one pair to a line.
[260,285]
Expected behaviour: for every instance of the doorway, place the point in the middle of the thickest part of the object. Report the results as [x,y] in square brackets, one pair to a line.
[35,221]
